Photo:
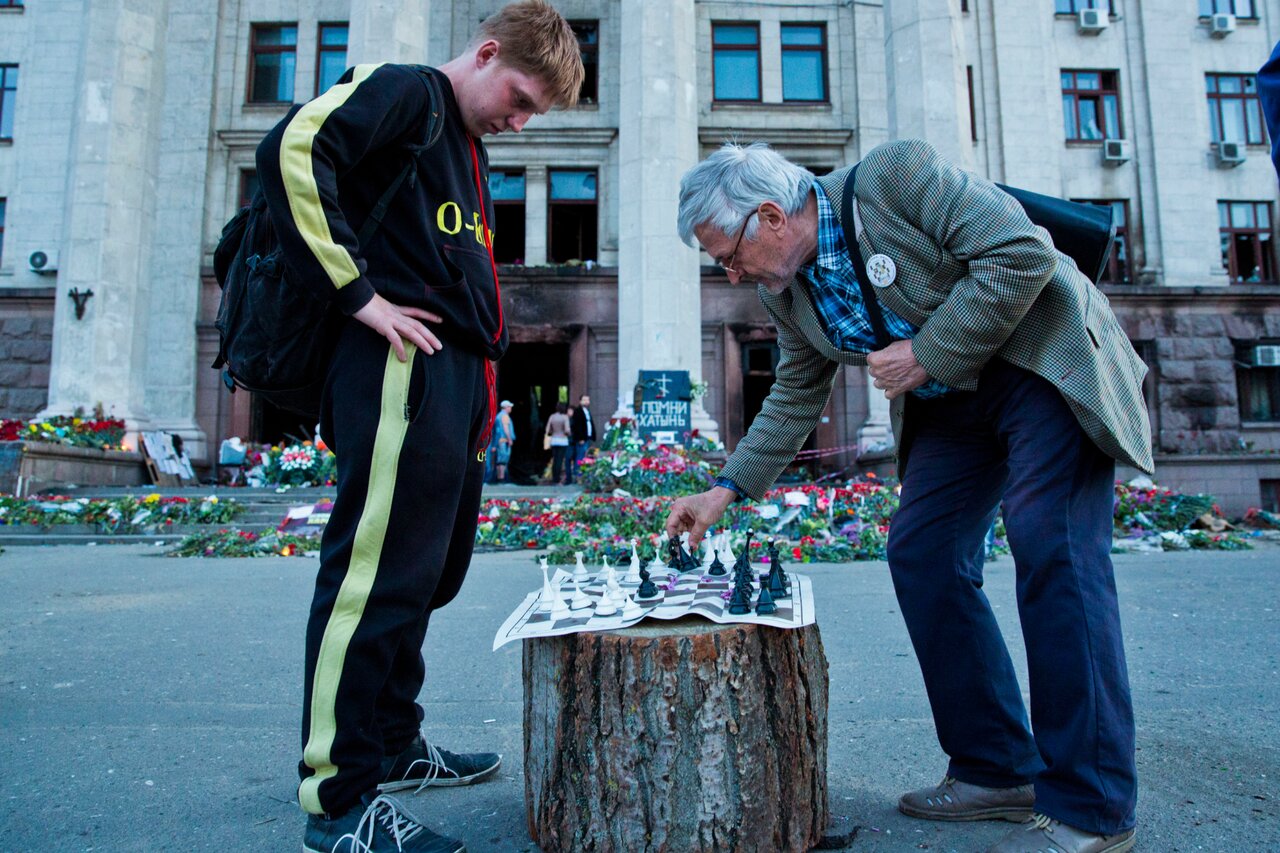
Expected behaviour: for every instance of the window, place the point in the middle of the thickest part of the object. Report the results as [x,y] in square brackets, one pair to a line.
[8,98]
[4,204]
[16,4]
[964,5]
[331,55]
[248,186]
[506,188]
[1235,114]
[973,111]
[588,33]
[1270,492]
[1245,229]
[273,58]
[735,62]
[804,62]
[571,215]
[1239,8]
[1090,105]
[1117,271]
[1257,386]
[1070,7]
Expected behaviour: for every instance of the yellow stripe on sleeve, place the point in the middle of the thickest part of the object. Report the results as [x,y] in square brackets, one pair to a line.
[300,180]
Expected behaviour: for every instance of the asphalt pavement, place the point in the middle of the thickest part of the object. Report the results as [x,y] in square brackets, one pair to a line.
[152,704]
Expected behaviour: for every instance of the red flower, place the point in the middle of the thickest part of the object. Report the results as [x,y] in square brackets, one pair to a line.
[795,552]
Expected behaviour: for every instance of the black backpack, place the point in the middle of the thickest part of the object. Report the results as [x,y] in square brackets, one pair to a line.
[275,335]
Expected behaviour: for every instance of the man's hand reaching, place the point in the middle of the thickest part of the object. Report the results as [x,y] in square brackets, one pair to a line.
[698,512]
[398,323]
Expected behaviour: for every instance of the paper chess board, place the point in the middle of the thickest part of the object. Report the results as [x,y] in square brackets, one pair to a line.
[693,593]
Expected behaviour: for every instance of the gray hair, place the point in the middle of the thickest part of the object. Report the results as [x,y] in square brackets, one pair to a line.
[723,189]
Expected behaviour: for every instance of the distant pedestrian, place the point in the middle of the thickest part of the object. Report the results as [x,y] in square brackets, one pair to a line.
[558,430]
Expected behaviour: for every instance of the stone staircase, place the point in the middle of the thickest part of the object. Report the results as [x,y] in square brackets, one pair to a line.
[264,508]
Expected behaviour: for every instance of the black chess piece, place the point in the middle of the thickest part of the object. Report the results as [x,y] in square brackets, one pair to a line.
[739,602]
[647,588]
[673,553]
[717,568]
[681,561]
[777,584]
[765,605]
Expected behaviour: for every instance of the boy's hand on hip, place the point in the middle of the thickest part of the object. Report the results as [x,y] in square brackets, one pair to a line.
[400,323]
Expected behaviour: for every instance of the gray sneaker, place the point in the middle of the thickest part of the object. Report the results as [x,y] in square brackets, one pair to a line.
[952,799]
[1043,834]
[422,765]
[380,825]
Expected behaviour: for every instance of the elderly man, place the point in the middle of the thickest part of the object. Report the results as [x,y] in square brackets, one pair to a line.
[1011,382]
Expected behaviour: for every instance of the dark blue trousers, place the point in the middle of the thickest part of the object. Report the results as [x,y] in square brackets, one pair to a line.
[1015,440]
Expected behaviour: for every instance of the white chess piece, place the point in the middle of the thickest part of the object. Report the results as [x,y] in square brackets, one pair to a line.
[633,571]
[611,579]
[559,610]
[606,606]
[726,551]
[631,610]
[658,564]
[579,570]
[581,600]
[545,600]
[708,550]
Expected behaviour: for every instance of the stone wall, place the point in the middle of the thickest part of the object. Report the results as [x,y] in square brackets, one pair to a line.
[26,341]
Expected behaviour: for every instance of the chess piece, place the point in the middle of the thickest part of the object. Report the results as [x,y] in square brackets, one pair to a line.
[743,563]
[777,579]
[606,605]
[656,564]
[581,600]
[708,548]
[545,600]
[559,610]
[739,602]
[630,610]
[717,567]
[726,548]
[648,589]
[611,579]
[633,571]
[579,570]
[765,605]
[673,554]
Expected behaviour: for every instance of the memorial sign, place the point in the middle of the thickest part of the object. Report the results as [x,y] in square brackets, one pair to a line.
[666,411]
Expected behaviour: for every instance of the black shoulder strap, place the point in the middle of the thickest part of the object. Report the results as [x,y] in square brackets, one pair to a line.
[851,242]
[435,126]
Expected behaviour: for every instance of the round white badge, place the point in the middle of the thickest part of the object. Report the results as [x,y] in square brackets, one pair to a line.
[881,270]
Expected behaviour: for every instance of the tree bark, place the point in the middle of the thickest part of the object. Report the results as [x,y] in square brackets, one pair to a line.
[684,736]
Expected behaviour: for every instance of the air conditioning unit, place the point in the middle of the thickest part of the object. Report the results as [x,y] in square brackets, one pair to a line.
[1222,25]
[1090,22]
[1116,151]
[1266,355]
[43,263]
[1231,154]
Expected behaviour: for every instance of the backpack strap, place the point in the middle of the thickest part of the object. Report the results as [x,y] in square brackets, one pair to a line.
[848,219]
[435,127]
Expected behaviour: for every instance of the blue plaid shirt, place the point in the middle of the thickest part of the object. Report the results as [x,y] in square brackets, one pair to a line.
[833,281]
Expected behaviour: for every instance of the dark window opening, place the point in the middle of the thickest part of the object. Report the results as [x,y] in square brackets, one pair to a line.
[973,112]
[1270,494]
[4,204]
[1070,7]
[507,188]
[735,61]
[1239,8]
[1091,105]
[273,58]
[571,215]
[1258,380]
[1244,228]
[248,186]
[588,33]
[331,55]
[759,363]
[534,377]
[804,63]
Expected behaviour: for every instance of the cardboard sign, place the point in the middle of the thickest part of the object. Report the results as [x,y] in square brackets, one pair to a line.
[666,415]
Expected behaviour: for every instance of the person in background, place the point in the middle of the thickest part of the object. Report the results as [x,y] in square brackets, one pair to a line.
[504,437]
[584,433]
[558,430]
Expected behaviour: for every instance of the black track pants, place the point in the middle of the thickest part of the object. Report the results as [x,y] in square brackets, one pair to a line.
[396,547]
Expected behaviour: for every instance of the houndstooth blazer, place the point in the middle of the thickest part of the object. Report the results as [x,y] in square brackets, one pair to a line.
[980,280]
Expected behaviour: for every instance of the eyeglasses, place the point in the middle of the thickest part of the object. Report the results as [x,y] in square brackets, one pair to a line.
[727,263]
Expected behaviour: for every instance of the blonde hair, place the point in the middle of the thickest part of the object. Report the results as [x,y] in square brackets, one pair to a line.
[535,39]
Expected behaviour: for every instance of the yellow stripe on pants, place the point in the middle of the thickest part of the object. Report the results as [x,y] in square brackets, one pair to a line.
[366,551]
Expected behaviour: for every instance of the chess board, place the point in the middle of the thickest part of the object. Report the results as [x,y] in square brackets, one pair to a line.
[692,593]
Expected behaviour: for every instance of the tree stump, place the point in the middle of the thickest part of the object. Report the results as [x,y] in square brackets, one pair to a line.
[682,736]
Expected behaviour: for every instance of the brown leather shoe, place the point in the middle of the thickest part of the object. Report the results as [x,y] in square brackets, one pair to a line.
[1043,834]
[955,800]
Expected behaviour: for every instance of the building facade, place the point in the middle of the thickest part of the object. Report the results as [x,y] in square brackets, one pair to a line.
[128,128]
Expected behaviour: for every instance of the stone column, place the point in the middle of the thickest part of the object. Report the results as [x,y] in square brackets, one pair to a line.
[387,31]
[535,215]
[659,288]
[924,63]
[875,435]
[1029,111]
[111,206]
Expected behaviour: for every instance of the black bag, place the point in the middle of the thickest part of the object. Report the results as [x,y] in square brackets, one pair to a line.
[1083,232]
[275,335]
